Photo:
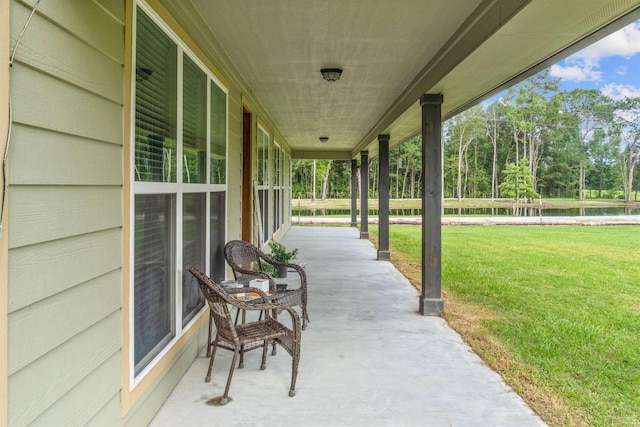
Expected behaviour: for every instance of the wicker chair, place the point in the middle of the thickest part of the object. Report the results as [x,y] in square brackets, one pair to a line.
[244,259]
[248,336]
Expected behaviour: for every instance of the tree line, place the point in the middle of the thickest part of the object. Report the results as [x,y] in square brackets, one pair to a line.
[535,140]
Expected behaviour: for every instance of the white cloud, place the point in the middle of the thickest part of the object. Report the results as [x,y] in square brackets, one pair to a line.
[625,42]
[584,65]
[577,72]
[617,91]
[621,71]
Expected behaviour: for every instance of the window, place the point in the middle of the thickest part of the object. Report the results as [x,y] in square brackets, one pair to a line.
[278,183]
[194,123]
[218,122]
[193,252]
[153,272]
[263,183]
[179,187]
[156,104]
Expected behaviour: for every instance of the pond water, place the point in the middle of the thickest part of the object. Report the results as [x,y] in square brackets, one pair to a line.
[610,211]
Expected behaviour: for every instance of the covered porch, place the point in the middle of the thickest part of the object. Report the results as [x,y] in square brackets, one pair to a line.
[367,358]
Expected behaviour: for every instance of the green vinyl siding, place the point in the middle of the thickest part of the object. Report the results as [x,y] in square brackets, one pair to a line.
[55,51]
[108,415]
[98,387]
[42,101]
[47,265]
[94,162]
[57,212]
[114,7]
[91,371]
[74,310]
[87,20]
[65,213]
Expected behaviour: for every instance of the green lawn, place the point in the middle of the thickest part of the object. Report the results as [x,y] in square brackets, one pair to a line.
[566,304]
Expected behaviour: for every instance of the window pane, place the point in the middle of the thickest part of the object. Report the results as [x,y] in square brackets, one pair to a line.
[263,141]
[276,209]
[263,182]
[156,103]
[194,132]
[218,135]
[263,196]
[193,252]
[217,235]
[277,175]
[276,165]
[153,276]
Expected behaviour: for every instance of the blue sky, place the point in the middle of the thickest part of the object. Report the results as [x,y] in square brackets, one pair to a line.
[611,65]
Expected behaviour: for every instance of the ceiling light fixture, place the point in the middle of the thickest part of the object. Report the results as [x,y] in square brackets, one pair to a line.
[331,74]
[324,139]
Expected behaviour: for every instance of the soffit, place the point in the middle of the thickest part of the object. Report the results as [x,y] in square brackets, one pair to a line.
[391,52]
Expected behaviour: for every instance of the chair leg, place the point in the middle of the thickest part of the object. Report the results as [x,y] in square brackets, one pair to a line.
[241,364]
[263,366]
[294,371]
[275,317]
[225,396]
[209,345]
[213,356]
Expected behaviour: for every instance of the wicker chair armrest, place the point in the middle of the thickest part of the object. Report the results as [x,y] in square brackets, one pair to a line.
[295,322]
[303,274]
[297,267]
[270,260]
[246,272]
[275,262]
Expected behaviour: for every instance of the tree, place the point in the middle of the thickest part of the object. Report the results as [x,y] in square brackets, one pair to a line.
[325,181]
[302,178]
[339,179]
[532,109]
[604,151]
[518,183]
[592,110]
[466,128]
[411,155]
[558,172]
[492,124]
[628,121]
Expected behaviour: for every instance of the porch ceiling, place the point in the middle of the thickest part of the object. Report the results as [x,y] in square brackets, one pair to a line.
[391,53]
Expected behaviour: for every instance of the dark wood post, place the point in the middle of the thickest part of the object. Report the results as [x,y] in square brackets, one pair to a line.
[431,303]
[383,198]
[354,193]
[364,193]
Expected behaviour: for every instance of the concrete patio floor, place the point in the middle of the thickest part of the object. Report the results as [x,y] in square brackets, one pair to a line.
[368,358]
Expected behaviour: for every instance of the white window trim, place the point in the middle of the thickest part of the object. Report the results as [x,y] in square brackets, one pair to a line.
[266,176]
[177,188]
[279,158]
[266,181]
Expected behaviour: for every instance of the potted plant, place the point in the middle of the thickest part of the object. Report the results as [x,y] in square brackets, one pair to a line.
[279,253]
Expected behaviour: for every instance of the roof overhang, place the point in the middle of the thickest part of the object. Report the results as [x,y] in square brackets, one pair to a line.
[391,52]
